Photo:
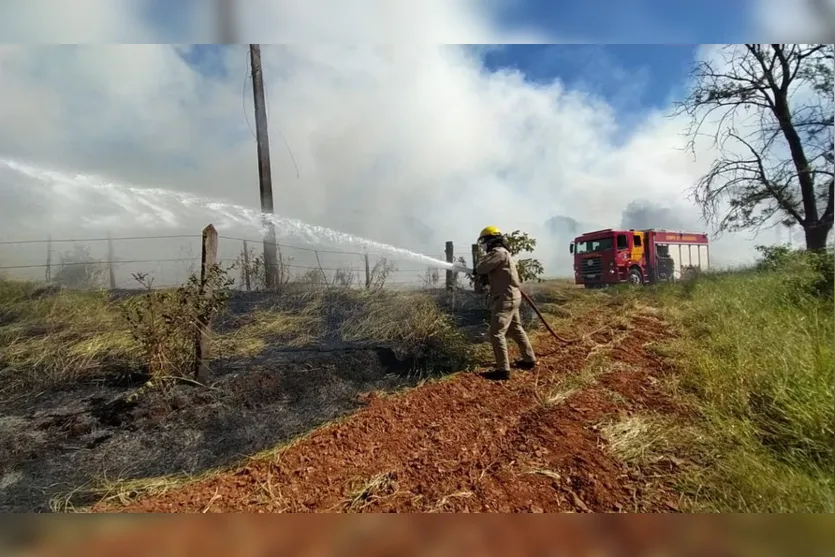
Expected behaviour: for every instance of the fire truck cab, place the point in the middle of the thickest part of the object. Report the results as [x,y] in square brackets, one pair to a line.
[639,257]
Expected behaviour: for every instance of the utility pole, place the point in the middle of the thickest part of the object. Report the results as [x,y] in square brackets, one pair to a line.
[264,171]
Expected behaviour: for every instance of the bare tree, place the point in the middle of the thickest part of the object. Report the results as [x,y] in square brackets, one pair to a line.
[774,108]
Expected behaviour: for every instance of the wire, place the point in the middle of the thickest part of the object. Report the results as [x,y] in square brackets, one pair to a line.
[71,263]
[83,240]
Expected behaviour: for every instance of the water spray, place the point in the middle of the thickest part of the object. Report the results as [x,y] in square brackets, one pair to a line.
[156,207]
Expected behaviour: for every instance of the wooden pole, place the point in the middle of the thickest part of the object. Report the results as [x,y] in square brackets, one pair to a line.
[450,257]
[49,259]
[111,273]
[367,273]
[246,268]
[321,270]
[264,169]
[477,286]
[203,344]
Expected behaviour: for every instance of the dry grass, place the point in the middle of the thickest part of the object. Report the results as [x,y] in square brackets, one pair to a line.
[262,327]
[638,439]
[367,492]
[49,338]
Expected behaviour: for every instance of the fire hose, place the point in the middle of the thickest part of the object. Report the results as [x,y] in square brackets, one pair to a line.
[533,306]
[544,322]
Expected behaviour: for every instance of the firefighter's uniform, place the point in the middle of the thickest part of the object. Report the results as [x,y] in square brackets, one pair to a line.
[505,301]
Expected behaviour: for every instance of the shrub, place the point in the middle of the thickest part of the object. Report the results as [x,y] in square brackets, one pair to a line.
[165,322]
[807,272]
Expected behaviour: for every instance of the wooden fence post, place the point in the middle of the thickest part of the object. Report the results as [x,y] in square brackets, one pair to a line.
[477,286]
[111,273]
[49,259]
[367,273]
[246,268]
[450,259]
[203,345]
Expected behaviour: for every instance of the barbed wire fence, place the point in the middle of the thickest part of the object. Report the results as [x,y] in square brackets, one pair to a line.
[166,261]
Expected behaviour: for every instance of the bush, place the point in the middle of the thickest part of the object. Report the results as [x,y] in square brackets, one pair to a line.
[807,272]
[165,323]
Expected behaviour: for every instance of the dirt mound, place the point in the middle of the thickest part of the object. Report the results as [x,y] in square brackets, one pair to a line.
[463,444]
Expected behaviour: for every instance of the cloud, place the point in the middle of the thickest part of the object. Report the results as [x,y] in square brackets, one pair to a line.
[796,21]
[412,145]
[73,22]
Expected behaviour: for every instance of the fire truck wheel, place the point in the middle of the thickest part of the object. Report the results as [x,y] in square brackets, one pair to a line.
[635,277]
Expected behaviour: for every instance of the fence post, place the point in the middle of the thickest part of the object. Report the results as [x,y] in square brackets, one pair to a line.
[246,268]
[321,270]
[477,286]
[367,273]
[203,345]
[450,259]
[110,256]
[49,259]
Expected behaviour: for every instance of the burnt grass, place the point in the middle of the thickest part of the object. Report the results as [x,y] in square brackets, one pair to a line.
[61,445]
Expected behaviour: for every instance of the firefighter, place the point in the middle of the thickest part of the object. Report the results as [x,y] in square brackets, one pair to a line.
[499,269]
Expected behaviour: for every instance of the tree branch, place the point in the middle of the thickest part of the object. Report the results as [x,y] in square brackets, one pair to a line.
[775,191]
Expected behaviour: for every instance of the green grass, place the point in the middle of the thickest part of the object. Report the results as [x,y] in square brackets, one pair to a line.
[756,360]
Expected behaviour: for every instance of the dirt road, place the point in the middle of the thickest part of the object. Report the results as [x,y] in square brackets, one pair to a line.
[465,444]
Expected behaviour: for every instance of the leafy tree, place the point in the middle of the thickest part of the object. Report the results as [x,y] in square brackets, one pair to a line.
[774,105]
[529,269]
[78,269]
[520,242]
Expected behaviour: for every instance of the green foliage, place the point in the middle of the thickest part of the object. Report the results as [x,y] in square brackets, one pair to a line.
[757,359]
[165,323]
[807,272]
[78,270]
[530,270]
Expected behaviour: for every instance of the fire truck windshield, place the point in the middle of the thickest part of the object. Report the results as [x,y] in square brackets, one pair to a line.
[590,246]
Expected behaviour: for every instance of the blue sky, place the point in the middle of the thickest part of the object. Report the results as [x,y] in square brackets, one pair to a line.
[636,21]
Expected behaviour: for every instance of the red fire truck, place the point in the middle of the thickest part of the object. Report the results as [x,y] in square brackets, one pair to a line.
[609,256]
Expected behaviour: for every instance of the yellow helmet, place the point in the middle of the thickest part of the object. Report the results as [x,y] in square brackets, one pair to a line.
[489,232]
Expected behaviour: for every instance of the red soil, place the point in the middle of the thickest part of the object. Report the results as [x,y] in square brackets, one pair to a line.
[464,444]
